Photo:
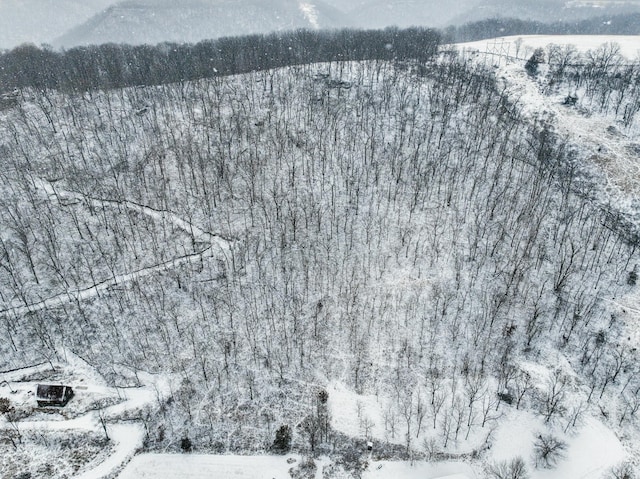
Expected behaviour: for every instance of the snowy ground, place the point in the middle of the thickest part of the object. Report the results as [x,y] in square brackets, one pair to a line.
[629,44]
[350,411]
[592,448]
[418,470]
[370,417]
[128,439]
[194,466]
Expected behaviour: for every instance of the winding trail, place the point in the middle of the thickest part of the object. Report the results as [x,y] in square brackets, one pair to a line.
[59,195]
[128,439]
[214,245]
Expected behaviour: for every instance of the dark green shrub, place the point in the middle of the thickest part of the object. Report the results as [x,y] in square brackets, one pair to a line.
[5,405]
[282,442]
[534,62]
[185,444]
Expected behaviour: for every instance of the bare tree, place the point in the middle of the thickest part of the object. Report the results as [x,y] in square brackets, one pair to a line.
[513,469]
[554,397]
[548,450]
[623,470]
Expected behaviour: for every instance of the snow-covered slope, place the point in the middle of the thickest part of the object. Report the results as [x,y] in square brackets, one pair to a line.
[437,13]
[606,146]
[522,46]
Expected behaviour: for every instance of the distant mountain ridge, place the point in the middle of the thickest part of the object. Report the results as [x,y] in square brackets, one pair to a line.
[156,21]
[39,21]
[548,11]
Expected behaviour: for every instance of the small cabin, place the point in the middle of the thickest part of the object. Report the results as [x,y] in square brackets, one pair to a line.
[53,395]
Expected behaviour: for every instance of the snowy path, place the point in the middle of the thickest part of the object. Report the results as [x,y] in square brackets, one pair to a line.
[94,290]
[215,245]
[196,466]
[16,374]
[128,439]
[59,194]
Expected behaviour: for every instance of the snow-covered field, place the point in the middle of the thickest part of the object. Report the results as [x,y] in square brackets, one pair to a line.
[196,466]
[591,449]
[629,44]
[418,470]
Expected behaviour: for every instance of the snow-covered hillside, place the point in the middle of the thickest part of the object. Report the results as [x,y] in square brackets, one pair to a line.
[354,261]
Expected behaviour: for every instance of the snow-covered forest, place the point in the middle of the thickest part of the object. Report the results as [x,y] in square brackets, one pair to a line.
[400,230]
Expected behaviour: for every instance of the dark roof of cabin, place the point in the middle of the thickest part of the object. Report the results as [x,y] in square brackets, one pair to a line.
[51,392]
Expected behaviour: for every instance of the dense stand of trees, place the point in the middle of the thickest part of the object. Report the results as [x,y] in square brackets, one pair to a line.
[116,66]
[398,227]
[498,27]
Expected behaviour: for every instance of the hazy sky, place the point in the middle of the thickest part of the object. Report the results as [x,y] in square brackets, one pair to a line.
[73,22]
[40,21]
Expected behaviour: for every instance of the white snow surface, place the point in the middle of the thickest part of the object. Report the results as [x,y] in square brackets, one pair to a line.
[592,448]
[418,470]
[344,406]
[590,454]
[196,466]
[367,416]
[128,439]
